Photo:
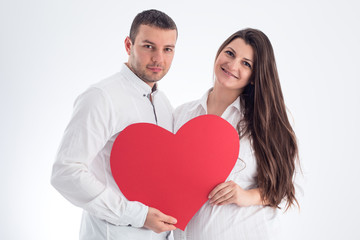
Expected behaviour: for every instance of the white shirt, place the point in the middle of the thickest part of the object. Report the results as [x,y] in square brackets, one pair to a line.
[81,172]
[229,222]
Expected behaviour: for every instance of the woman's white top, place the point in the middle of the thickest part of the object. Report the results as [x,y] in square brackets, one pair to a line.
[228,222]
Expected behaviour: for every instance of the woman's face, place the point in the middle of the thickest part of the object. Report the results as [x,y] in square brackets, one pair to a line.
[233,66]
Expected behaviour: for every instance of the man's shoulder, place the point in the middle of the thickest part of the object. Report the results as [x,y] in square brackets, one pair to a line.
[105,89]
[113,86]
[109,82]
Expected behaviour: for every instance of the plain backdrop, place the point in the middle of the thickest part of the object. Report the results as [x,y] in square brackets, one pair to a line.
[51,51]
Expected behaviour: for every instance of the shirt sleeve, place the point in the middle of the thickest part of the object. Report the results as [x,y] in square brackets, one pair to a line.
[90,128]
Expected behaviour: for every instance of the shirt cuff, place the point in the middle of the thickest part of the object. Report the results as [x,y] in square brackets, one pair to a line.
[114,208]
[136,213]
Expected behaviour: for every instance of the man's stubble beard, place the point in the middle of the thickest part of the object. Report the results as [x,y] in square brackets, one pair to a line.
[143,76]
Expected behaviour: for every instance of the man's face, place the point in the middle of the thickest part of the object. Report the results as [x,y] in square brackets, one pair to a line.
[151,54]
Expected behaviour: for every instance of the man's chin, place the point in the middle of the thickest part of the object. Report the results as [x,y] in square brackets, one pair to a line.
[152,79]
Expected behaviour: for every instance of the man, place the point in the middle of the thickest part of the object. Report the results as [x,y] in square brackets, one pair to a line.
[81,172]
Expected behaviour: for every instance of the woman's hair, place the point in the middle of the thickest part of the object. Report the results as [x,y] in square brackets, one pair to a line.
[266,122]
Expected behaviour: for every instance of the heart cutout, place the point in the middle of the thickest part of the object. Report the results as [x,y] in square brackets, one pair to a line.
[174,173]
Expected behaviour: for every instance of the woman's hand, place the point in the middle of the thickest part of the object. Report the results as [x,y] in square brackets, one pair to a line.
[230,192]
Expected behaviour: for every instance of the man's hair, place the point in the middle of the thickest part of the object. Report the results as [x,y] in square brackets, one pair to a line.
[153,18]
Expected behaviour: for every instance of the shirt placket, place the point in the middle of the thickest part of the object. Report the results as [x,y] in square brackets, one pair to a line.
[151,99]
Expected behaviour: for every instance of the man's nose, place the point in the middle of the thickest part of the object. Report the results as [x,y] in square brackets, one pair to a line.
[157,56]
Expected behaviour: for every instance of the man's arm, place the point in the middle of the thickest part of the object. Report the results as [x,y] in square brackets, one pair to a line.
[90,128]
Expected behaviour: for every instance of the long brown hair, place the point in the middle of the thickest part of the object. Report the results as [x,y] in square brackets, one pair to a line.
[266,122]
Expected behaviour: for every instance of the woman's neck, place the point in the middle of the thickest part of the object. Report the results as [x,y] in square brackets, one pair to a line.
[219,99]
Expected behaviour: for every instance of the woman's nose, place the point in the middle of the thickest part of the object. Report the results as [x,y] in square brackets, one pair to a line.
[233,65]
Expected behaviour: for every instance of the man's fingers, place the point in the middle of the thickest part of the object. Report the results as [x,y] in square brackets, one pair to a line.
[170,227]
[158,221]
[168,219]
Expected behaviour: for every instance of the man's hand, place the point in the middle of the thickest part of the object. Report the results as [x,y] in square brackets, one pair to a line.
[159,222]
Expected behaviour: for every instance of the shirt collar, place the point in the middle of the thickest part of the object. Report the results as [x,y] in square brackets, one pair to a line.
[139,84]
[236,104]
[203,102]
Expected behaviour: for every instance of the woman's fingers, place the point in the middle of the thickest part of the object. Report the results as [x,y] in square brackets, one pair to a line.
[216,189]
[221,192]
[224,193]
[227,201]
[230,192]
[224,198]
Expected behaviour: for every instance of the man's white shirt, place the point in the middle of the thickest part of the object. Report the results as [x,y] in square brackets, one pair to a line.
[81,172]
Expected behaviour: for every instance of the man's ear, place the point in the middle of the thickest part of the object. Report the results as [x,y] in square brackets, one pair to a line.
[128,45]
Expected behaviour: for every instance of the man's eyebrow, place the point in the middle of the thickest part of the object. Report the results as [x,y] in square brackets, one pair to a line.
[247,59]
[149,42]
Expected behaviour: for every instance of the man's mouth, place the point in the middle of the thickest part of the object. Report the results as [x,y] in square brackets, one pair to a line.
[155,69]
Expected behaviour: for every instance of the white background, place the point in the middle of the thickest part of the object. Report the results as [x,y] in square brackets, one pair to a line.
[51,51]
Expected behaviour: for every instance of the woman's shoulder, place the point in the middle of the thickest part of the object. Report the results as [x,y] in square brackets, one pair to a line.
[186,107]
[185,112]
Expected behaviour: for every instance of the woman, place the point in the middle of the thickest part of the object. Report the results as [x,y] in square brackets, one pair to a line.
[248,95]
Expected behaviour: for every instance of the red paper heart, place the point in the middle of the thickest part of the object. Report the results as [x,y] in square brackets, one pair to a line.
[174,172]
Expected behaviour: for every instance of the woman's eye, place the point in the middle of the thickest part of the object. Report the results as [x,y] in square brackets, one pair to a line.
[230,53]
[247,64]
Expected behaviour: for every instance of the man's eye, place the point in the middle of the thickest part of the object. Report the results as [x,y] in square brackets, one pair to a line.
[230,53]
[148,46]
[168,49]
